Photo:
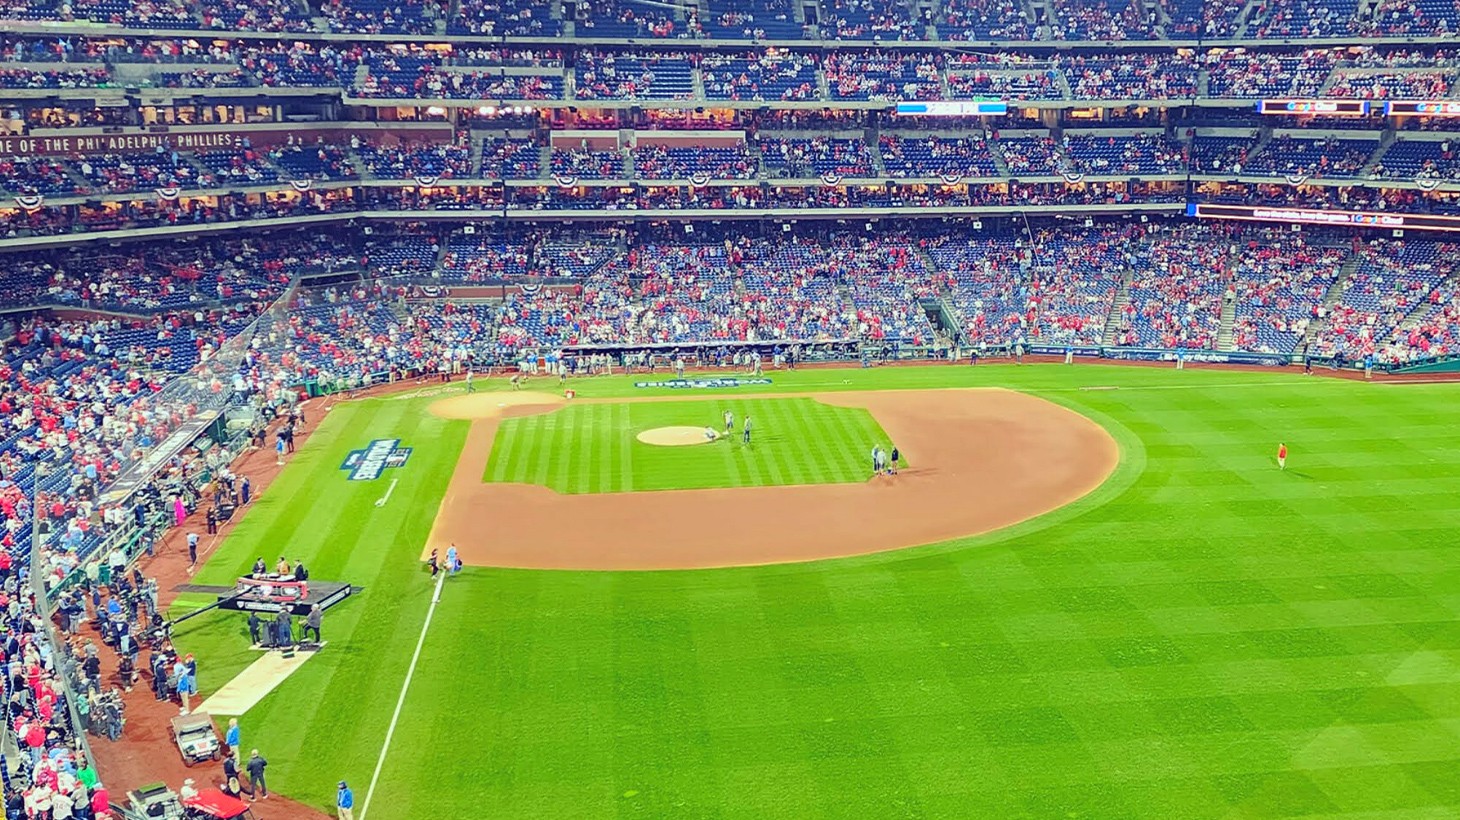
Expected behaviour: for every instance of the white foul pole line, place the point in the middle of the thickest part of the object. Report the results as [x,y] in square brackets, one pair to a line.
[401,701]
[380,502]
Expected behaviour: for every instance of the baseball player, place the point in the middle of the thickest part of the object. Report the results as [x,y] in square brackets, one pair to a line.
[729,422]
[710,434]
[1282,456]
[747,429]
[892,461]
[876,459]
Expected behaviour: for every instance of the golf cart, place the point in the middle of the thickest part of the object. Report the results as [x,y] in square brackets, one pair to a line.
[196,738]
[212,803]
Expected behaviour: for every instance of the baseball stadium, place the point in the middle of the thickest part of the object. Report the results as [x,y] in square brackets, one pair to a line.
[421,409]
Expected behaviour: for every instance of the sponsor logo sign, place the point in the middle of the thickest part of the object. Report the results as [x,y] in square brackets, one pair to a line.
[703,384]
[368,463]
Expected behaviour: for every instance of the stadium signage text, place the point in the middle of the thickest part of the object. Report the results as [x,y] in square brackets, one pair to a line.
[367,464]
[703,384]
[117,143]
[1307,216]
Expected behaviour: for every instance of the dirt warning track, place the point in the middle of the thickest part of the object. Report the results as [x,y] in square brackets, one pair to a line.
[983,459]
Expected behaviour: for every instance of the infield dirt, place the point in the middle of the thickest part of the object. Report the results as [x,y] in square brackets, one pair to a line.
[984,459]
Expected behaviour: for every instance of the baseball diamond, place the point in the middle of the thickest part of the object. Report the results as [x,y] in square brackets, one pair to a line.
[1137,592]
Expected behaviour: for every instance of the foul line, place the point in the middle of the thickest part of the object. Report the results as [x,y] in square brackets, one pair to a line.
[401,701]
[380,502]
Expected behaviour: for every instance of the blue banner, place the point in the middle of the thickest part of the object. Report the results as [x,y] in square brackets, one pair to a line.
[367,464]
[703,384]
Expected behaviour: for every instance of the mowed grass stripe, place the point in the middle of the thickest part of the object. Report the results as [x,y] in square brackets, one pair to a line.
[594,448]
[1214,639]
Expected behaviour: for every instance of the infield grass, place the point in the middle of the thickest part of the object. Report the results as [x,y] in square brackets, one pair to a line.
[593,448]
[1203,637]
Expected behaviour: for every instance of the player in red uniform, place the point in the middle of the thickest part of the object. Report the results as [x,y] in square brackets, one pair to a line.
[1282,456]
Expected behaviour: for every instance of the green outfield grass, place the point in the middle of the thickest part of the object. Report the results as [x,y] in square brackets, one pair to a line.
[592,448]
[1203,637]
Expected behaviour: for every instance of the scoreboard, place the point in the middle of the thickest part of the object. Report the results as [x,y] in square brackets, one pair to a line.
[1327,108]
[953,108]
[1423,108]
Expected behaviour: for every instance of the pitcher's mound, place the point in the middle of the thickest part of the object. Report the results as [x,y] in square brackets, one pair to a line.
[677,436]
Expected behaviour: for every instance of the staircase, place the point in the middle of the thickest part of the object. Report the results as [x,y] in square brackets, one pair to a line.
[1390,135]
[1264,136]
[1117,308]
[1246,17]
[1229,306]
[1425,307]
[1229,318]
[478,139]
[1335,292]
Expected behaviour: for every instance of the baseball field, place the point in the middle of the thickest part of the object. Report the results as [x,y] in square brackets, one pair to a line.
[1089,593]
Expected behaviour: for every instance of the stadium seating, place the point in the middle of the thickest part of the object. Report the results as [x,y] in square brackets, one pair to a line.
[936,156]
[985,20]
[587,164]
[1259,75]
[406,160]
[753,20]
[472,259]
[760,77]
[868,77]
[1410,85]
[659,162]
[382,16]
[510,159]
[255,15]
[513,18]
[1004,86]
[35,175]
[244,167]
[1288,19]
[1393,279]
[1130,77]
[1132,155]
[1279,282]
[315,161]
[796,157]
[885,20]
[608,76]
[1101,20]
[1326,157]
[1031,155]
[1434,18]
[134,172]
[1220,155]
[1175,295]
[1410,159]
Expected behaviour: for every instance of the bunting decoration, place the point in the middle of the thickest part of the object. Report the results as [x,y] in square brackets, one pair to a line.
[301,185]
[427,180]
[1297,179]
[30,202]
[700,179]
[565,180]
[169,193]
[831,179]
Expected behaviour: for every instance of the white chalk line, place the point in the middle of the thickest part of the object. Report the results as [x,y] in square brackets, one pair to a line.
[401,701]
[381,502]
